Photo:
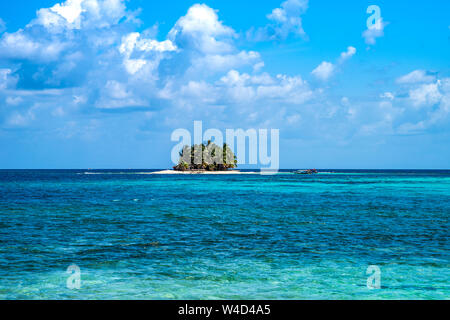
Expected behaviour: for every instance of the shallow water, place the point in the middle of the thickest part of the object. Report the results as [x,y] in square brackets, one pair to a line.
[287,236]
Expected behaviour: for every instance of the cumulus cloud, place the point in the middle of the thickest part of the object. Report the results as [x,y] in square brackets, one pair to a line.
[206,44]
[116,95]
[427,98]
[242,91]
[416,76]
[62,28]
[425,95]
[436,95]
[138,51]
[85,59]
[325,70]
[7,79]
[20,45]
[424,89]
[416,106]
[285,20]
[224,62]
[243,87]
[347,54]
[83,54]
[202,30]
[71,47]
[77,14]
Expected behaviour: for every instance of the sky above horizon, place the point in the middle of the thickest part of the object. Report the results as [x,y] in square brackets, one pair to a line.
[104,83]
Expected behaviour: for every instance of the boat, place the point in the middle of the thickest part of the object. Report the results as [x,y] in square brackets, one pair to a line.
[308,171]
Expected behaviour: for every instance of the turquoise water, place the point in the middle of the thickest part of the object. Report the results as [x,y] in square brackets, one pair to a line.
[138,236]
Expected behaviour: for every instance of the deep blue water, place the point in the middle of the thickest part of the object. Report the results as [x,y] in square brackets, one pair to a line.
[140,236]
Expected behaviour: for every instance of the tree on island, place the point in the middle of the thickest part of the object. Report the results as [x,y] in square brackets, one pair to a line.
[209,157]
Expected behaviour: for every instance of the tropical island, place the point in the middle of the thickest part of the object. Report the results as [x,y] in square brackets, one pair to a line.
[206,157]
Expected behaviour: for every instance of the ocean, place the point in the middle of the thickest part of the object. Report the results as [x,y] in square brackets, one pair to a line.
[138,236]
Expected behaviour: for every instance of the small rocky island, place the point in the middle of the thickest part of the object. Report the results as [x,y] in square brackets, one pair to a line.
[206,157]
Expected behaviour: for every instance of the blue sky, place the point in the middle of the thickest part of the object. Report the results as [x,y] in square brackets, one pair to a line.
[103,83]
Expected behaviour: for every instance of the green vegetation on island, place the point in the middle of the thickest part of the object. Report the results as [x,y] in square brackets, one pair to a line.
[207,157]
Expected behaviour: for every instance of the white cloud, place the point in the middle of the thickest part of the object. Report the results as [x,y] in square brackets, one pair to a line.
[425,95]
[326,69]
[223,62]
[244,87]
[244,91]
[416,76]
[434,97]
[199,69]
[291,89]
[387,95]
[206,46]
[77,14]
[373,32]
[199,91]
[201,29]
[142,50]
[51,33]
[116,95]
[7,79]
[201,19]
[4,77]
[435,117]
[323,71]
[19,45]
[347,54]
[61,16]
[133,41]
[286,20]
[258,66]
[14,101]
[70,10]
[424,89]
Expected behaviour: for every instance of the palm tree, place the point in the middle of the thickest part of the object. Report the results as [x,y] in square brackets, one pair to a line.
[206,157]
